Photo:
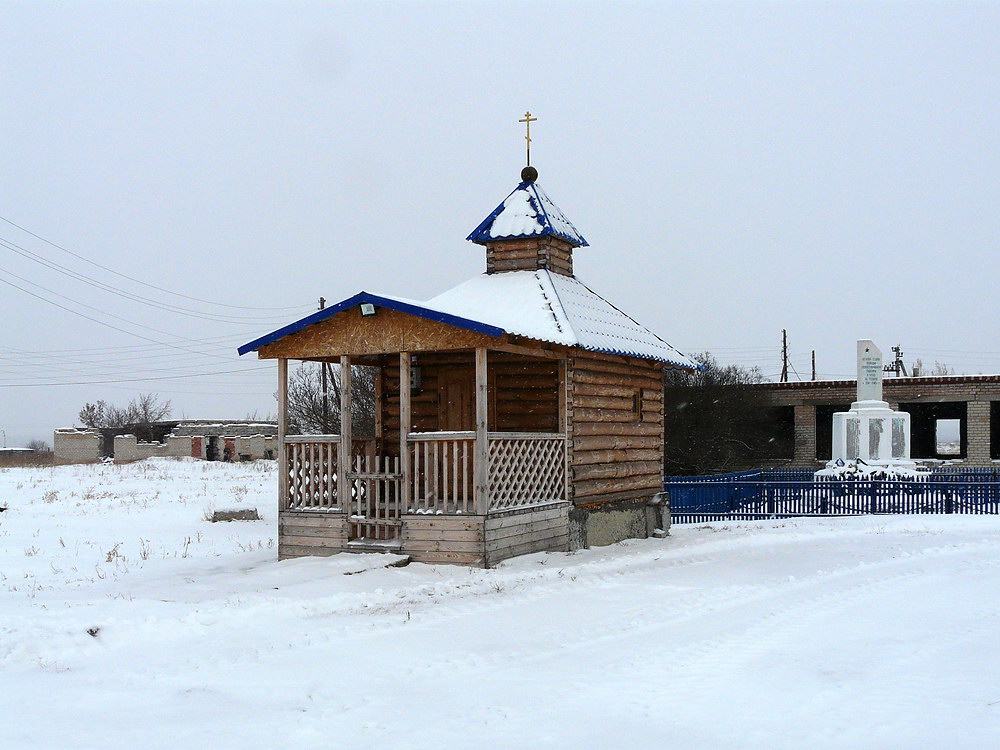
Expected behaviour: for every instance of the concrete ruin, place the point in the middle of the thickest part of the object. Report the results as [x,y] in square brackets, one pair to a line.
[208,440]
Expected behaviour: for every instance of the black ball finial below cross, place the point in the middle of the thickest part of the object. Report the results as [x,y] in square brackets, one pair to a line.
[529,174]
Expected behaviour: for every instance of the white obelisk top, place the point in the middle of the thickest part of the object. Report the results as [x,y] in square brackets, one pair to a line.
[869,371]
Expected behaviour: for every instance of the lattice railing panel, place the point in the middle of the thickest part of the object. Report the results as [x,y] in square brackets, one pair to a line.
[526,470]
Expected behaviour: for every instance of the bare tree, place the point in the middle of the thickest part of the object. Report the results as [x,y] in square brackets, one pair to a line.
[145,409]
[39,446]
[306,412]
[715,422]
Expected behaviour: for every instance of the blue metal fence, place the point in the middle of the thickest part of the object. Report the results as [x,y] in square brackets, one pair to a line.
[785,493]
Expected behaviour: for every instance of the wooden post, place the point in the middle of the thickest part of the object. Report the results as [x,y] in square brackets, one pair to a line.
[564,423]
[282,431]
[344,457]
[481,469]
[404,428]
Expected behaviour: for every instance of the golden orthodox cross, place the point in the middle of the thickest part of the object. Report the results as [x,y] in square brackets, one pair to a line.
[527,120]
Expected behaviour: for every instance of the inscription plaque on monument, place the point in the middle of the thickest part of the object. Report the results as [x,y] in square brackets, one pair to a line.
[869,371]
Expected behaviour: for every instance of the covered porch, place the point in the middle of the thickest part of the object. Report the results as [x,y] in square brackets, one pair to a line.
[468,463]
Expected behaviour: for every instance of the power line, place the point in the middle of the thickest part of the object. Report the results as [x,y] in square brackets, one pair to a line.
[107,325]
[139,281]
[84,304]
[127,380]
[136,347]
[36,258]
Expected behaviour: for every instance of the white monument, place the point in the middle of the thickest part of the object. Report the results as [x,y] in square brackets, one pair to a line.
[870,434]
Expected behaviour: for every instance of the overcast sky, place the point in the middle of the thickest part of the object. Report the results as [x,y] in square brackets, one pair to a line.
[832,169]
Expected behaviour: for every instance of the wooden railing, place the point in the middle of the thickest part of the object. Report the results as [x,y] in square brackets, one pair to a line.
[311,463]
[526,468]
[441,472]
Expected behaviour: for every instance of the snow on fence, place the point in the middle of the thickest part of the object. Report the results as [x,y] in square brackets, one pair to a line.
[781,494]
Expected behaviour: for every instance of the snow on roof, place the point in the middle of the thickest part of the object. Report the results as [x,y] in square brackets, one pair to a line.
[559,309]
[539,305]
[526,212]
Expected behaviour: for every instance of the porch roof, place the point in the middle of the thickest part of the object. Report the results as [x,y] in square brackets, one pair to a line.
[535,304]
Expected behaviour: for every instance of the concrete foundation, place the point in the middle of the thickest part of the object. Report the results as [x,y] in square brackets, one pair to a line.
[609,523]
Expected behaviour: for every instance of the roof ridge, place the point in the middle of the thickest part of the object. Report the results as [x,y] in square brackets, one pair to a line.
[622,312]
[562,306]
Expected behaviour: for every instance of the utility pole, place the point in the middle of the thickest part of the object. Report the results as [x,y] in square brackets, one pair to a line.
[322,373]
[784,356]
[814,364]
[897,366]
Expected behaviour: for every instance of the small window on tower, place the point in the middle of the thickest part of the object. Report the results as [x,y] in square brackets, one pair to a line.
[637,405]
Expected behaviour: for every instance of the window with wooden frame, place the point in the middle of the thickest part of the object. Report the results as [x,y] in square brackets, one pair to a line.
[637,405]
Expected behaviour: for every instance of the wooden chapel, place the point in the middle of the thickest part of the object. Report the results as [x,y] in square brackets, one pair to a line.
[517,412]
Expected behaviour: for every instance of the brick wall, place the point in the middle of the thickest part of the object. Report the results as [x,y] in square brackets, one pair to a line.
[76,446]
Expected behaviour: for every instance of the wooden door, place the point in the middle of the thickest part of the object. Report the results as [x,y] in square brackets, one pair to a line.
[456,399]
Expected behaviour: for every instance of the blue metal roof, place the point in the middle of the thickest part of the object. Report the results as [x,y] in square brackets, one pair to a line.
[526,212]
[361,298]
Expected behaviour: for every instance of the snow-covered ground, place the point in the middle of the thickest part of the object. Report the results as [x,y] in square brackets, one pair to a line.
[876,632]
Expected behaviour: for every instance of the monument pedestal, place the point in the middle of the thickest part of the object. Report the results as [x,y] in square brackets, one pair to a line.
[873,433]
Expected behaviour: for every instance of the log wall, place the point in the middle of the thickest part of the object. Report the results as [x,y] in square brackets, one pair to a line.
[530,254]
[616,427]
[523,393]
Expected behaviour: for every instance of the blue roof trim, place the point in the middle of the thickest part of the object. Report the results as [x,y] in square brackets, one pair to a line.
[361,298]
[481,234]
[623,353]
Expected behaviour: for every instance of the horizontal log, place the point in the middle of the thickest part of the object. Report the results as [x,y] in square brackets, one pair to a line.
[527,380]
[613,455]
[516,264]
[616,470]
[515,395]
[603,402]
[603,389]
[517,407]
[616,443]
[598,378]
[512,253]
[619,364]
[602,415]
[593,487]
[583,428]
